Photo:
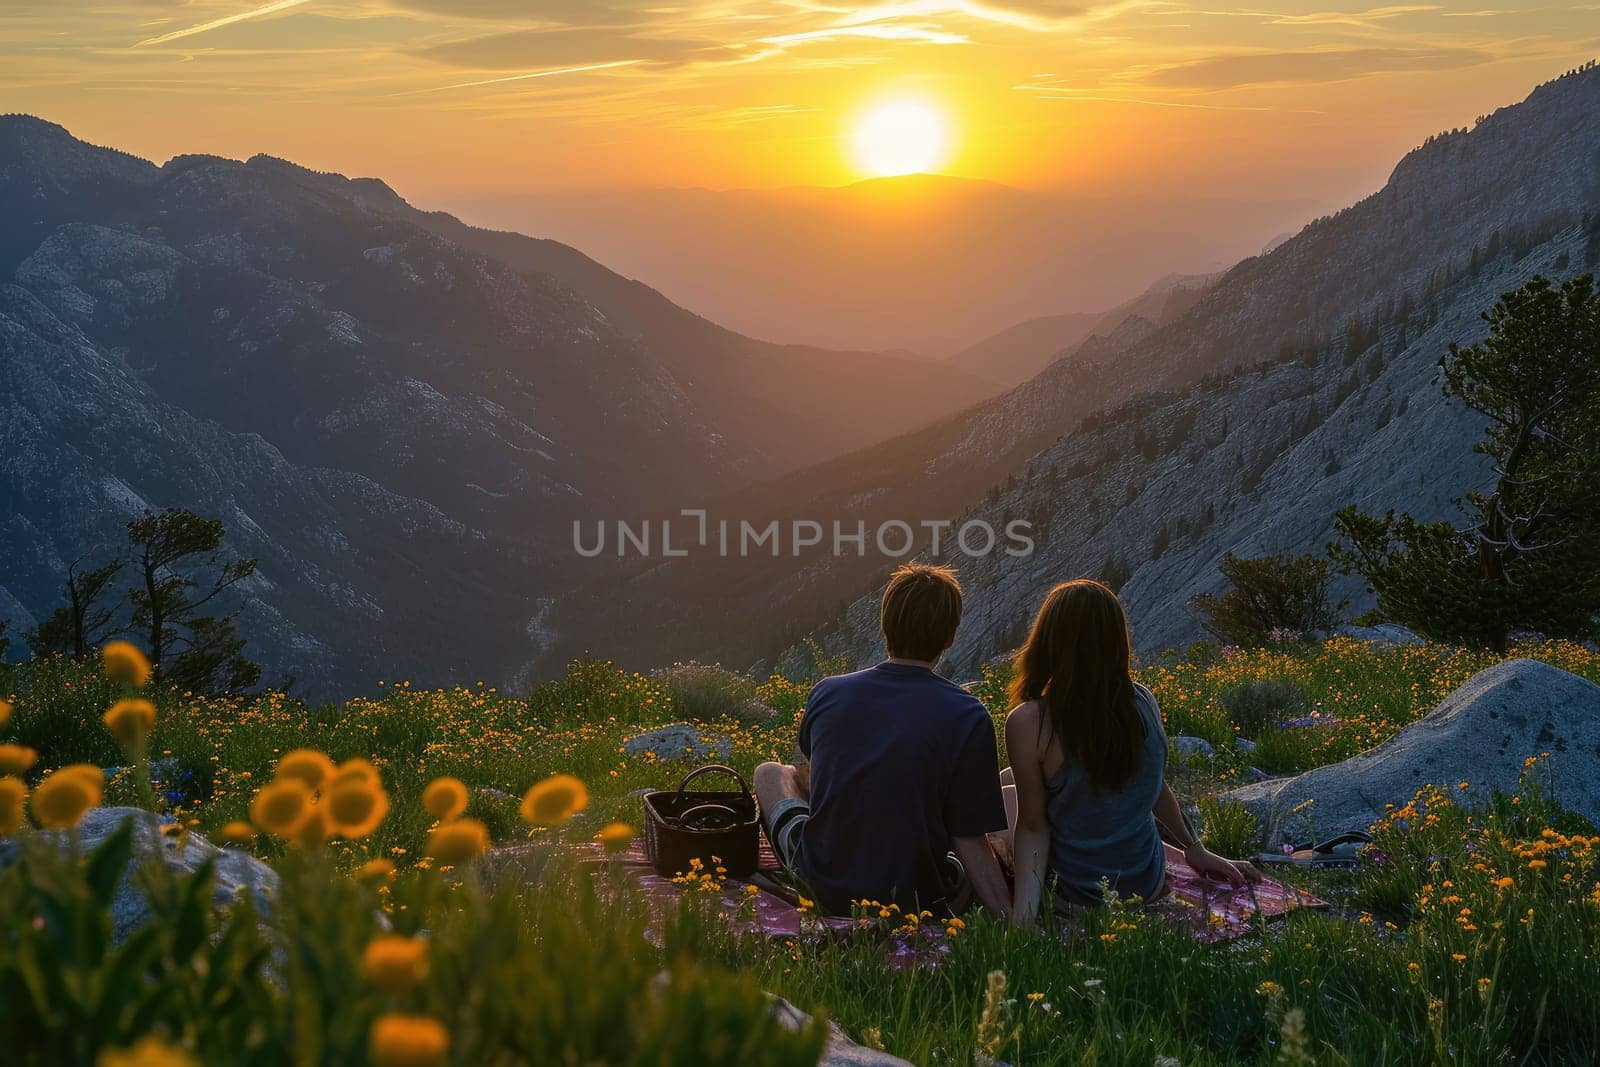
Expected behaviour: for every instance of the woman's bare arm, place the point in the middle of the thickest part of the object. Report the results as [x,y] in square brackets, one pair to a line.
[1176,830]
[1032,837]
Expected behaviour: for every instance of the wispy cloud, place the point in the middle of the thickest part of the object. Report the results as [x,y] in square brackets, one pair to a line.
[877,31]
[528,76]
[226,20]
[1308,66]
[1365,19]
[518,50]
[1091,96]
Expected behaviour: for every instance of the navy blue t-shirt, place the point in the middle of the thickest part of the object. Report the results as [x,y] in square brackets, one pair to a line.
[902,760]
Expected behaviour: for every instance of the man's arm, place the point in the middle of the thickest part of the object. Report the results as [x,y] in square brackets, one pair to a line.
[974,809]
[983,871]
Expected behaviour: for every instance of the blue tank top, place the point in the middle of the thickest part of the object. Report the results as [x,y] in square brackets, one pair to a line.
[1109,834]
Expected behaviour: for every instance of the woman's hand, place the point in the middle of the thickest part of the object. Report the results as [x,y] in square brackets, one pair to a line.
[1211,865]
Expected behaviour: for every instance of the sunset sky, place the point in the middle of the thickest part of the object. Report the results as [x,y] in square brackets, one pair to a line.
[445,98]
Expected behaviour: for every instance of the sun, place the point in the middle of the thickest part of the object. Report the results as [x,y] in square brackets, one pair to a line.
[899,137]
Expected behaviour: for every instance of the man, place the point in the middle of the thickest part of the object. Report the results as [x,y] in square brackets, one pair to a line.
[902,770]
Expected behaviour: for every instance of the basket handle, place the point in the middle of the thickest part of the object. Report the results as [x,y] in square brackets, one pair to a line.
[692,775]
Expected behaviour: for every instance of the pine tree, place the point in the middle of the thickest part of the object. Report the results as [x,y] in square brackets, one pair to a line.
[1528,554]
[179,569]
[80,625]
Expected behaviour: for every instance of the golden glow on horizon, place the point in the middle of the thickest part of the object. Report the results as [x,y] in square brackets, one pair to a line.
[899,137]
[456,98]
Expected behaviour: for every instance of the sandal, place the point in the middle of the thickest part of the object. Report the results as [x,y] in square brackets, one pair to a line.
[1341,851]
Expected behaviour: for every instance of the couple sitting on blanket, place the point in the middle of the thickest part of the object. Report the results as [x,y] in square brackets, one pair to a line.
[903,772]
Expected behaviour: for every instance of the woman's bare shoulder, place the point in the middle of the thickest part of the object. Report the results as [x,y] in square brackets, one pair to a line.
[1024,714]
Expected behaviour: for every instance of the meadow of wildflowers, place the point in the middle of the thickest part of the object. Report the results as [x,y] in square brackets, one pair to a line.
[1474,936]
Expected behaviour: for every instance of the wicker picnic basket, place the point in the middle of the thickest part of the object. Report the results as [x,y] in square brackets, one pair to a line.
[720,828]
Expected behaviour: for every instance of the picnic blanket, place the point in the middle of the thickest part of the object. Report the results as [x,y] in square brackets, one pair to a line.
[1213,911]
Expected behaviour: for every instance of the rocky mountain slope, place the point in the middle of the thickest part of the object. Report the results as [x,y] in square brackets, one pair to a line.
[1014,355]
[1384,284]
[400,416]
[1305,380]
[1254,463]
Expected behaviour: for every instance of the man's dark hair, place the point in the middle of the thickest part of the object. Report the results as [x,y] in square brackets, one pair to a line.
[920,612]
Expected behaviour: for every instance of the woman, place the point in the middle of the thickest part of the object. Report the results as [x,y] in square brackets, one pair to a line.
[1090,803]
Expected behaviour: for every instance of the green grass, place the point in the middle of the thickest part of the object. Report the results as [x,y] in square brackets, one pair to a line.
[1397,972]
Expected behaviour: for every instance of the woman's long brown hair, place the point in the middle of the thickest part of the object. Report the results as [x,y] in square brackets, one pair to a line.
[1078,663]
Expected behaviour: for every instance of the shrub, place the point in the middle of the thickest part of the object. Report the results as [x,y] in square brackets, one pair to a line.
[1228,828]
[1288,749]
[701,692]
[594,691]
[1270,598]
[1255,707]
[59,710]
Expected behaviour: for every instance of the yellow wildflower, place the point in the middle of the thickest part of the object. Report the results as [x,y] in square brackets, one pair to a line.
[148,1051]
[408,1041]
[95,776]
[315,829]
[395,964]
[554,800]
[616,837]
[306,765]
[357,770]
[14,759]
[13,791]
[130,722]
[445,798]
[5,712]
[375,872]
[355,807]
[125,662]
[459,841]
[281,807]
[63,797]
[237,832]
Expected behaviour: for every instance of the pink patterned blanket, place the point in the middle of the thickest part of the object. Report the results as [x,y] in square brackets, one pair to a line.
[1213,911]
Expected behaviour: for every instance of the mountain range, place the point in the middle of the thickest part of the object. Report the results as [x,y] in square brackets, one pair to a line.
[398,415]
[402,416]
[1301,380]
[1017,353]
[927,263]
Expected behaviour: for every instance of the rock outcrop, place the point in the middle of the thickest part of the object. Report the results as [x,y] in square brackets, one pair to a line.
[1481,734]
[236,872]
[679,740]
[840,1050]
